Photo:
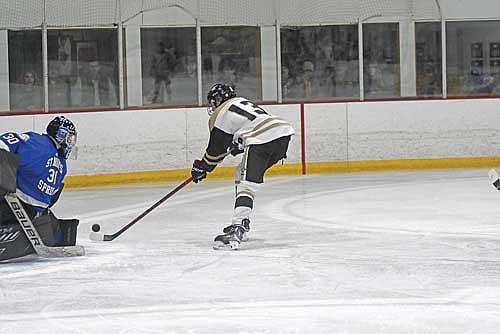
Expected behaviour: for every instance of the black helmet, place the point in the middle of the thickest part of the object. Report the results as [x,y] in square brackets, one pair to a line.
[63,131]
[218,94]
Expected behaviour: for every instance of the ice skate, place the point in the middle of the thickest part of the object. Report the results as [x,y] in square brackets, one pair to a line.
[230,240]
[492,174]
[246,225]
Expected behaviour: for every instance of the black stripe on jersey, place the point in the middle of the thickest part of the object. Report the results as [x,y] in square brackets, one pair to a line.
[217,147]
[234,108]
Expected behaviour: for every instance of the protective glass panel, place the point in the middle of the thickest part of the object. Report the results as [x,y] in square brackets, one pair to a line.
[83,68]
[25,70]
[381,60]
[319,62]
[231,55]
[428,59]
[169,73]
[473,57]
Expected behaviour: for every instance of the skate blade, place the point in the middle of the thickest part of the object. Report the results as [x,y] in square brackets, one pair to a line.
[232,245]
[244,238]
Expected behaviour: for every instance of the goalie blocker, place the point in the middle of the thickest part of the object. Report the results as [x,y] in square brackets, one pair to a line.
[14,240]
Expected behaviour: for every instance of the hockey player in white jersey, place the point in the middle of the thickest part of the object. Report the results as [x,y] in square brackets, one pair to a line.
[239,126]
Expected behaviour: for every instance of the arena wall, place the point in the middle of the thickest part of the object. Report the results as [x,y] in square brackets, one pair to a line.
[141,146]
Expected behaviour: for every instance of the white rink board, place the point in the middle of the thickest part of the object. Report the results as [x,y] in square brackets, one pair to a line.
[16,124]
[326,132]
[120,142]
[424,129]
[290,113]
[163,139]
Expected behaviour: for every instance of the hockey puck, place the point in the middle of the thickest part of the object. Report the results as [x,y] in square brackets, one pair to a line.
[96,228]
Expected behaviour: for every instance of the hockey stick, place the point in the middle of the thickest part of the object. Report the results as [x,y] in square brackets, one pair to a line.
[109,237]
[492,174]
[33,236]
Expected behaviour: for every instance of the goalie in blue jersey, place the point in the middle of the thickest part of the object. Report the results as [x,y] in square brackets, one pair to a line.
[33,166]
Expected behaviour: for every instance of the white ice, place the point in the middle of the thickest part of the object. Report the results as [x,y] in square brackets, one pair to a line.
[408,252]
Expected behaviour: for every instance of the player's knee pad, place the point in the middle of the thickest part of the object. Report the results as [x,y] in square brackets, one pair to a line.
[243,204]
[245,193]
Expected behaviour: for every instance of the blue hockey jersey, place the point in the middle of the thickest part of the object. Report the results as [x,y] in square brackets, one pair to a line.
[41,170]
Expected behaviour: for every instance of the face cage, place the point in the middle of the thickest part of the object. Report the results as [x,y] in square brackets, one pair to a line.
[67,141]
[210,109]
[213,103]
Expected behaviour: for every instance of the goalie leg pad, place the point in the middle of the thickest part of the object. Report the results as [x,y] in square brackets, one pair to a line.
[69,229]
[13,242]
[8,167]
[56,232]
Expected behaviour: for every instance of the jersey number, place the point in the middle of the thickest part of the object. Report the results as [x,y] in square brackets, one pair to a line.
[247,109]
[52,176]
[11,139]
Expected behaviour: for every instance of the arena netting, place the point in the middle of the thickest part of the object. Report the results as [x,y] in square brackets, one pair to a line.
[27,14]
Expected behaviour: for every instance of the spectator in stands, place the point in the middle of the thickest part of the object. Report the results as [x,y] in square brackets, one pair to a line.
[429,83]
[288,84]
[481,83]
[162,67]
[327,81]
[227,73]
[27,94]
[59,89]
[307,80]
[98,88]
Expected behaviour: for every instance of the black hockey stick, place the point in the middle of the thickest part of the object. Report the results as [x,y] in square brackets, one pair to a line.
[33,236]
[109,237]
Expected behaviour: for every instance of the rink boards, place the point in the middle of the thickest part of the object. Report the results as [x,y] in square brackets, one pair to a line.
[143,146]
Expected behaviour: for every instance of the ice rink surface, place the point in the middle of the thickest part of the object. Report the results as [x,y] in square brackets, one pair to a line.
[407,252]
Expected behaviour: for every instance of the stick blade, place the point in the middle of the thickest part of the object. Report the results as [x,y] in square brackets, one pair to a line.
[96,236]
[65,251]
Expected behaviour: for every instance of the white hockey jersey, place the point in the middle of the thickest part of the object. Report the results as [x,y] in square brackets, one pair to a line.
[242,122]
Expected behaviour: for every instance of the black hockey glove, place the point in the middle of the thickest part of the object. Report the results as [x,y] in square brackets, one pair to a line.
[198,173]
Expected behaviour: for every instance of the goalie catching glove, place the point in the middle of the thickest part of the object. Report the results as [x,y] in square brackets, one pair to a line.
[198,172]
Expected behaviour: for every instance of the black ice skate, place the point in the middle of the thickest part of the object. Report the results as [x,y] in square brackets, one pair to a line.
[246,225]
[493,175]
[231,240]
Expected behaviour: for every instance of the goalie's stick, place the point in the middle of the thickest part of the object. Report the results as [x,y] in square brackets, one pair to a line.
[96,236]
[492,174]
[33,236]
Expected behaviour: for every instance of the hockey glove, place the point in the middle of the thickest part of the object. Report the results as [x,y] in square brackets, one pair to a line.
[198,173]
[235,149]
